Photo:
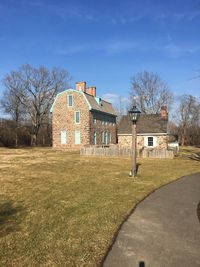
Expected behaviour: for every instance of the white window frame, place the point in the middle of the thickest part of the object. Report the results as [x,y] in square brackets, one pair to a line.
[79,117]
[146,141]
[68,102]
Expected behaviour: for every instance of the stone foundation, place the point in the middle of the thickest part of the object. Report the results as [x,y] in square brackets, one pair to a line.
[126,141]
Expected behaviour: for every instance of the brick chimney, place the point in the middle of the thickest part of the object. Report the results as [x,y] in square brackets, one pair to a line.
[163,112]
[91,91]
[81,86]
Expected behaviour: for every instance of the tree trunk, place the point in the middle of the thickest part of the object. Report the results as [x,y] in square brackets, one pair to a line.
[183,137]
[16,137]
[33,139]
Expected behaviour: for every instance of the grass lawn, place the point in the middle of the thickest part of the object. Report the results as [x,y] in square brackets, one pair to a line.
[60,209]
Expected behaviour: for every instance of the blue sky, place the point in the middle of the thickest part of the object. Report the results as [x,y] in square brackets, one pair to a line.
[105,42]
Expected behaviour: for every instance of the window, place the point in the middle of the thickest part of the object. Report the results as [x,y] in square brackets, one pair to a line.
[77,137]
[77,116]
[63,137]
[150,141]
[110,137]
[95,138]
[70,100]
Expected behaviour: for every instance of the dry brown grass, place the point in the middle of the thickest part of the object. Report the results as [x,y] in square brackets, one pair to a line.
[60,209]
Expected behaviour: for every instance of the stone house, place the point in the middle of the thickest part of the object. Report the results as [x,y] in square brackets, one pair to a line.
[151,130]
[81,118]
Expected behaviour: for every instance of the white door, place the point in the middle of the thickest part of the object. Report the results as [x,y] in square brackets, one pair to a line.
[63,137]
[77,137]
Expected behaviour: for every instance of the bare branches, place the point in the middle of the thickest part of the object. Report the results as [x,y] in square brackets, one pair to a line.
[189,119]
[34,90]
[150,92]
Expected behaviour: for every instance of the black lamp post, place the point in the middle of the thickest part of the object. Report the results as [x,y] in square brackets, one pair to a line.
[134,114]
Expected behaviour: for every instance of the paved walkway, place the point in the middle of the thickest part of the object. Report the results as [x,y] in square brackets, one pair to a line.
[163,231]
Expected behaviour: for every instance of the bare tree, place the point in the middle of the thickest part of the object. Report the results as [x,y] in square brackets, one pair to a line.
[188,119]
[121,107]
[10,102]
[149,92]
[38,87]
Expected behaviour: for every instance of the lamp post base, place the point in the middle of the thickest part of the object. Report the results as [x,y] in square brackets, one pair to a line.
[132,173]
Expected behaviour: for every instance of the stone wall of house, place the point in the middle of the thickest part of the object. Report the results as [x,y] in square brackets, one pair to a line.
[63,119]
[99,123]
[126,141]
[162,141]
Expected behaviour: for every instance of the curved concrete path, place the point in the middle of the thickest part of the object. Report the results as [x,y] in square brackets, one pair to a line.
[163,231]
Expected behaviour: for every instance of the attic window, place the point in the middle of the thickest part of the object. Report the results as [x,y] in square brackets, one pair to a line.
[70,100]
[98,99]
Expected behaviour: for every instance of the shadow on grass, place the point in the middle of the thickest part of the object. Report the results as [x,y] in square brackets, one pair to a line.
[198,211]
[10,217]
[137,167]
[195,156]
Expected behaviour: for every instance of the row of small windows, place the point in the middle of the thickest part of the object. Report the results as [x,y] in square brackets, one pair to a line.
[105,137]
[105,120]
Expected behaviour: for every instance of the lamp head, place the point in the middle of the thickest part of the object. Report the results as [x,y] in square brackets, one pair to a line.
[134,114]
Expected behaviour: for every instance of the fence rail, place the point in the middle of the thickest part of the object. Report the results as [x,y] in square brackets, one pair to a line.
[126,152]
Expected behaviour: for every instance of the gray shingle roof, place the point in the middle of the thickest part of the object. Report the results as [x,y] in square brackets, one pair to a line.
[147,123]
[102,106]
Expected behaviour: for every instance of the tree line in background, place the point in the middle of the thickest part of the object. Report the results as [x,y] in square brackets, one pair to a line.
[28,95]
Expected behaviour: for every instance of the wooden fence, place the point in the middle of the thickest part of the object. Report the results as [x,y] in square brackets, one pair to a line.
[126,152]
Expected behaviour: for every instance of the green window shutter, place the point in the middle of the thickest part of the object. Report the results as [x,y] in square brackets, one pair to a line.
[95,138]
[106,138]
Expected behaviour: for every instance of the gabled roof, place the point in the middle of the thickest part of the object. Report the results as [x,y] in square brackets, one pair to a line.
[147,123]
[99,104]
[94,103]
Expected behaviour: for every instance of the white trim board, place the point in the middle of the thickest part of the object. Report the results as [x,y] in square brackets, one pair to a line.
[68,91]
[144,134]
